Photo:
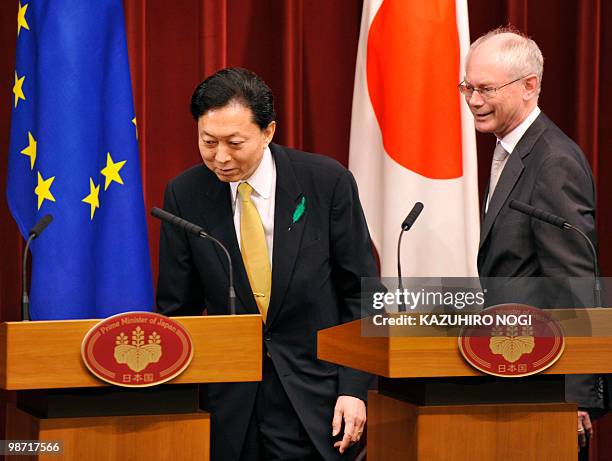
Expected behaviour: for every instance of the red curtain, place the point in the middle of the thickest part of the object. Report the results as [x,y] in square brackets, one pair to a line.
[305,50]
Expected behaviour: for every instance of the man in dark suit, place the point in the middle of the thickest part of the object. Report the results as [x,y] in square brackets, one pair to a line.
[295,230]
[536,163]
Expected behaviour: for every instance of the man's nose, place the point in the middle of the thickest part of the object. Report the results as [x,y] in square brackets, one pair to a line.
[222,154]
[475,99]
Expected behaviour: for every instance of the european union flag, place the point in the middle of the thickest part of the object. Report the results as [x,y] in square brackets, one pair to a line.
[74,154]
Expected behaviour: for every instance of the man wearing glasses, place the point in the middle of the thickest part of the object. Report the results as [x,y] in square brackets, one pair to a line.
[536,163]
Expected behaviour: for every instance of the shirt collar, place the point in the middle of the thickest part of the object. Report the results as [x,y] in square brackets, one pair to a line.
[261,179]
[510,141]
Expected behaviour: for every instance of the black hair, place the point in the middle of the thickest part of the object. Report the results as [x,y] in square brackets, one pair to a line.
[234,84]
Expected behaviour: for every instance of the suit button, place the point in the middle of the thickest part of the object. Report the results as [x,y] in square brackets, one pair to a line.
[268,354]
[267,337]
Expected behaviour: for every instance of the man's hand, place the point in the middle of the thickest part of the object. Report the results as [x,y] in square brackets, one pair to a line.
[585,428]
[353,411]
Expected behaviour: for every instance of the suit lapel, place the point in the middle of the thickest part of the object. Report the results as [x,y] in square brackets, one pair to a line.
[287,235]
[511,173]
[484,204]
[219,217]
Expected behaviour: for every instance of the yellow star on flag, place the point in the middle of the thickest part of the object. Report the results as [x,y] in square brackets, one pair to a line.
[111,171]
[93,197]
[30,151]
[43,189]
[18,88]
[135,126]
[21,20]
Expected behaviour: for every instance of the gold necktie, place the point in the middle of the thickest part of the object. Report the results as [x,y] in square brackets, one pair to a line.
[255,250]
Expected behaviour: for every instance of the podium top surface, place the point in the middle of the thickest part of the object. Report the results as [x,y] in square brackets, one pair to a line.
[47,354]
[439,356]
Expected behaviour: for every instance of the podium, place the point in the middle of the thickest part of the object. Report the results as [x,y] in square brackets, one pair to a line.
[431,405]
[59,399]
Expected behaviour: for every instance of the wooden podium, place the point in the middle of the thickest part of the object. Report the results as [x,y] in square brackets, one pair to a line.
[59,399]
[431,405]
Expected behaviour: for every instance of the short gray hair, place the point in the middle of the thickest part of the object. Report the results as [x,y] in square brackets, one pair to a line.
[519,54]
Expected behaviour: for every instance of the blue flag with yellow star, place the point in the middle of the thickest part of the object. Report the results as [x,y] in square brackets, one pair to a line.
[74,155]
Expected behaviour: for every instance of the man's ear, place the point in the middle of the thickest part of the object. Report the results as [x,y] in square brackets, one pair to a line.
[531,86]
[269,132]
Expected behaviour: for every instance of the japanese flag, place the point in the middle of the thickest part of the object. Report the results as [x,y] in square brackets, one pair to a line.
[412,139]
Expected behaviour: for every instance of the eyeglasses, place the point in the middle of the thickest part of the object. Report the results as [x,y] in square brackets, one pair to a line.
[486,92]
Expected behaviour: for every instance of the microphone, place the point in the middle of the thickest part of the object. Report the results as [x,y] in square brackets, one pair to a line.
[539,214]
[557,221]
[41,225]
[406,225]
[38,228]
[198,231]
[412,216]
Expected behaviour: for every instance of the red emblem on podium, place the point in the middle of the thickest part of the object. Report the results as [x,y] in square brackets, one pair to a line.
[137,349]
[514,340]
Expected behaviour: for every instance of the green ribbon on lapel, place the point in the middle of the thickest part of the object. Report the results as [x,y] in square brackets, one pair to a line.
[299,210]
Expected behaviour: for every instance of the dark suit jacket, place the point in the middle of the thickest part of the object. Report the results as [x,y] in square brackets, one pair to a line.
[546,170]
[317,267]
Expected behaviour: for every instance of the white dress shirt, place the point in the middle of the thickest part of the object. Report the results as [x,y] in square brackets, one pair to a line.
[263,182]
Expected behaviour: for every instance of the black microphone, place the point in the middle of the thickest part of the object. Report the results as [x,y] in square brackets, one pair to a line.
[406,225]
[539,214]
[40,226]
[412,216]
[555,220]
[197,230]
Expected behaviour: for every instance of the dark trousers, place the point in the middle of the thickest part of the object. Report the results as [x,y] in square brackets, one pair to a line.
[275,432]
